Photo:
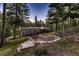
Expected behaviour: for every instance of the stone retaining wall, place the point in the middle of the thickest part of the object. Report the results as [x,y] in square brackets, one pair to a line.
[33,30]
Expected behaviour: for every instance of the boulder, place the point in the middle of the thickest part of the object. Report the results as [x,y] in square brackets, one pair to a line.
[25,45]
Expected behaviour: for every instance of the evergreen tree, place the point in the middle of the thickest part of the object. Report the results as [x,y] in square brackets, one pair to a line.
[2,40]
[36,21]
[17,14]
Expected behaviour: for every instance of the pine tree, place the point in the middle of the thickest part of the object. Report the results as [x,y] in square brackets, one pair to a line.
[17,14]
[36,21]
[2,40]
[53,14]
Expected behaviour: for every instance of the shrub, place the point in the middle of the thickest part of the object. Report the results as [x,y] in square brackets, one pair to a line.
[40,51]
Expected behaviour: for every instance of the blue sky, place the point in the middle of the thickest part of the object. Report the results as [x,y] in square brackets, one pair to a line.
[36,9]
[1,7]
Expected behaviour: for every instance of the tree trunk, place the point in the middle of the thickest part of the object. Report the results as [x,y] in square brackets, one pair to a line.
[2,41]
[56,26]
[69,23]
[14,30]
[63,26]
[15,23]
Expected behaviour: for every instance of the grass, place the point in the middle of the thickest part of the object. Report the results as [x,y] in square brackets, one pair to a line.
[49,33]
[10,47]
[63,43]
[56,48]
[34,51]
[25,52]
[68,46]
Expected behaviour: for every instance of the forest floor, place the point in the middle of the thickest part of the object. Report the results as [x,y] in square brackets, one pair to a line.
[67,46]
[63,47]
[10,46]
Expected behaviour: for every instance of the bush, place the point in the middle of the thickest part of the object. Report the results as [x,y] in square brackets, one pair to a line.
[40,51]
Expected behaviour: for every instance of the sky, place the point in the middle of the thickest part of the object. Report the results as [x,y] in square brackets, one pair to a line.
[1,7]
[36,9]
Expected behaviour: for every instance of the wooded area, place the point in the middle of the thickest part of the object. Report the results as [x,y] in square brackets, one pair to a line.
[62,20]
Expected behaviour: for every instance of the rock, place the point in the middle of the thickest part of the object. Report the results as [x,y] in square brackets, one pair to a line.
[56,39]
[46,39]
[39,40]
[25,45]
